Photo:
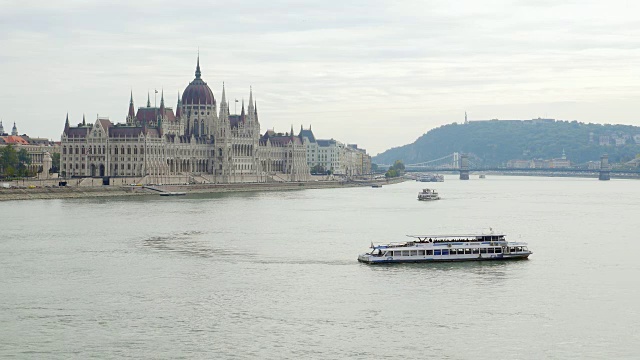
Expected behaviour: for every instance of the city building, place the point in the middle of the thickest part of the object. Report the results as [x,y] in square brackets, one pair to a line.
[201,142]
[335,156]
[40,150]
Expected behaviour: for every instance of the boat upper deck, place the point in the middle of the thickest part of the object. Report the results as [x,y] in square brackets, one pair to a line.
[450,240]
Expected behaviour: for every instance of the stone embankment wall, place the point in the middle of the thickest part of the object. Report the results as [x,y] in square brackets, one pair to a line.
[64,192]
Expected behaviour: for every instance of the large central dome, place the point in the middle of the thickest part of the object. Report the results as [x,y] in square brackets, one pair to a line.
[198,92]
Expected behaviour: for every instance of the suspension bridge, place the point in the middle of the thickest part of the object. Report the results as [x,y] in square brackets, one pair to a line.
[466,163]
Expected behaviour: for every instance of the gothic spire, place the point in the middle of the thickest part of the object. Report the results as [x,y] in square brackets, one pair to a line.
[132,113]
[178,111]
[198,73]
[250,108]
[84,122]
[148,100]
[66,124]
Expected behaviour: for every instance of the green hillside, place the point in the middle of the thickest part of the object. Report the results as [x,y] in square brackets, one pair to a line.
[495,142]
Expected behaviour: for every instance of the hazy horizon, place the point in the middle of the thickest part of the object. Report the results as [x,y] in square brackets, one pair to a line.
[374,73]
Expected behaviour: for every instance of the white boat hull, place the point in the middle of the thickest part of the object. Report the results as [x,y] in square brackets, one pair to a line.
[372,259]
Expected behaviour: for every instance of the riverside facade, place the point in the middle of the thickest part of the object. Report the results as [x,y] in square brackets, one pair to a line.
[201,142]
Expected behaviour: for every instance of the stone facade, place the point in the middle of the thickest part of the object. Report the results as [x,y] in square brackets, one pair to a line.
[40,150]
[341,159]
[201,140]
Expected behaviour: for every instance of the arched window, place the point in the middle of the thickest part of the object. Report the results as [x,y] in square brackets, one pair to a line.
[202,127]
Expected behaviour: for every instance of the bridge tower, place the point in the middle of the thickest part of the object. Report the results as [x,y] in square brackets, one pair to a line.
[605,169]
[464,167]
[456,161]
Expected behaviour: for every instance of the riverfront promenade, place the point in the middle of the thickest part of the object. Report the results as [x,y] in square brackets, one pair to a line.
[64,192]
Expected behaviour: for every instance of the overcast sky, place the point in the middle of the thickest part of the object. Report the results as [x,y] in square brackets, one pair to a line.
[375,73]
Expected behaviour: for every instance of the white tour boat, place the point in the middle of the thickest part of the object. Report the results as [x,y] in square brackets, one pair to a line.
[428,248]
[428,194]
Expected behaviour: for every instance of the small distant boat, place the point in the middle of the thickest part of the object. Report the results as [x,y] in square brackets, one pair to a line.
[376,186]
[173,193]
[428,194]
[430,178]
[482,176]
[430,248]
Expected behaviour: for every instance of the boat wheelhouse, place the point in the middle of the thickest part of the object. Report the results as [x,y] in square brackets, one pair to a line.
[430,248]
[428,194]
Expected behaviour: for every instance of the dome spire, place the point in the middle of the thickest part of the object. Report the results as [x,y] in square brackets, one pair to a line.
[198,73]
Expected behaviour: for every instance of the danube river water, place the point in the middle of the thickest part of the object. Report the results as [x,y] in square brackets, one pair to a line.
[274,275]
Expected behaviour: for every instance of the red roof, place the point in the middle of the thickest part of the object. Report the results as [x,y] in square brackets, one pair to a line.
[14,139]
[148,115]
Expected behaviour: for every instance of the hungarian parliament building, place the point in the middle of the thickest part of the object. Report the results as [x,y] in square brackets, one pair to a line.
[201,142]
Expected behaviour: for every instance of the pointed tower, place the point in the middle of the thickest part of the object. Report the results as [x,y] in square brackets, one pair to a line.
[242,114]
[148,100]
[14,131]
[131,115]
[66,125]
[198,73]
[84,121]
[179,107]
[161,114]
[224,106]
[1,128]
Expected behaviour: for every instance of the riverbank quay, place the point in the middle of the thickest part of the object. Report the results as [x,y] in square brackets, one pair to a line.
[71,192]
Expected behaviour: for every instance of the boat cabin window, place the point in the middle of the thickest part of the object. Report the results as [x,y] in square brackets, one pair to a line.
[405,252]
[436,252]
[489,250]
[429,252]
[524,248]
[476,251]
[483,250]
[445,252]
[518,248]
[387,253]
[420,252]
[467,251]
[498,250]
[414,252]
